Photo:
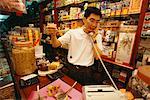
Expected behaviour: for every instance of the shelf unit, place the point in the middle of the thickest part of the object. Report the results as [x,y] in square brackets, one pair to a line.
[68,6]
[9,82]
[139,29]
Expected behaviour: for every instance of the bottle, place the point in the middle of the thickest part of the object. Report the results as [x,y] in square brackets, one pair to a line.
[85,6]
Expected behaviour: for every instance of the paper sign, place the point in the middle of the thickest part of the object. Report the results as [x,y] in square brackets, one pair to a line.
[135,6]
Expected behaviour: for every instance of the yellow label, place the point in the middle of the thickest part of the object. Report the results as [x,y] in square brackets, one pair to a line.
[118,12]
[112,13]
[124,11]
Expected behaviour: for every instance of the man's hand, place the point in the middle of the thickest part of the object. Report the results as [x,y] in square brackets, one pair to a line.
[93,35]
[51,29]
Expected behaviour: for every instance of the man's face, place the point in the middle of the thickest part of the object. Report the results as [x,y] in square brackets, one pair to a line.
[91,22]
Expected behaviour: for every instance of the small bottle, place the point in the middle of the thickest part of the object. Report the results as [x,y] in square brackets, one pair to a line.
[85,6]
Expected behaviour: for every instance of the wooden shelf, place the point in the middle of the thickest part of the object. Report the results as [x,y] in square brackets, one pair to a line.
[121,17]
[73,5]
[119,64]
[80,4]
[69,20]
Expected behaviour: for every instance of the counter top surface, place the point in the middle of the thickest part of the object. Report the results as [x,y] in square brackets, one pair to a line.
[43,81]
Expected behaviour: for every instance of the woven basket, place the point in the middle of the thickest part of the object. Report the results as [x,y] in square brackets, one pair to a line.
[24,60]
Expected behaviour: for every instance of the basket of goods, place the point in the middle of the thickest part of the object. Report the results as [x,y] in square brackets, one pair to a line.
[24,60]
[140,83]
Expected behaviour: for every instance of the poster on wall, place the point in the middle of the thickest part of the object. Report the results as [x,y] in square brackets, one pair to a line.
[135,6]
[124,47]
[13,6]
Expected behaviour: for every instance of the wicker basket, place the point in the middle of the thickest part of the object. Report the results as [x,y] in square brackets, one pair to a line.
[24,60]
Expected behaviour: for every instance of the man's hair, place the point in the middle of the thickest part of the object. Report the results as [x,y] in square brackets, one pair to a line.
[92,10]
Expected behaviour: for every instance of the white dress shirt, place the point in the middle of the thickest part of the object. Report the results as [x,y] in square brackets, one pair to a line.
[80,47]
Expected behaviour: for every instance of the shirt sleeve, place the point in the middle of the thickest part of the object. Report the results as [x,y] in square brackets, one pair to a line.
[99,42]
[65,39]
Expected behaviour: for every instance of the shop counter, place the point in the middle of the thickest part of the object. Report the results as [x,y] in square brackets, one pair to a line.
[24,92]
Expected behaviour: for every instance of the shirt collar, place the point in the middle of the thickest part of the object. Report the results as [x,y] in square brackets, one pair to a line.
[83,33]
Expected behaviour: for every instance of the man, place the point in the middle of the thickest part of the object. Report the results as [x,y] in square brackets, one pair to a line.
[80,41]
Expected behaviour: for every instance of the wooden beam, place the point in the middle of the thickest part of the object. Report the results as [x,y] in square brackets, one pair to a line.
[138,32]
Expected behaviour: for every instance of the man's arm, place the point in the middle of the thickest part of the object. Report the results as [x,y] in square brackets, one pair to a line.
[51,30]
[55,42]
